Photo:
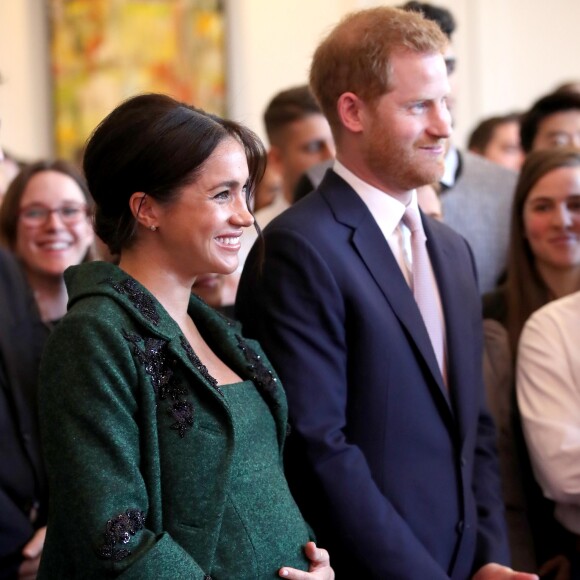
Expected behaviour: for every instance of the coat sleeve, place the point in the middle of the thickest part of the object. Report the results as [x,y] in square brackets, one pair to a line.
[293,305]
[91,418]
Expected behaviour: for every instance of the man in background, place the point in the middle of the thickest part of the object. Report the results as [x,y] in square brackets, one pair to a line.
[498,140]
[299,137]
[552,121]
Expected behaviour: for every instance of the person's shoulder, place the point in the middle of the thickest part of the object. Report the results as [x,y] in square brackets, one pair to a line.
[11,274]
[266,214]
[494,305]
[97,303]
[444,232]
[302,216]
[561,313]
[488,176]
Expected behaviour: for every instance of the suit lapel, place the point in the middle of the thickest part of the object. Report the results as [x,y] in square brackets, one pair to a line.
[376,254]
[452,282]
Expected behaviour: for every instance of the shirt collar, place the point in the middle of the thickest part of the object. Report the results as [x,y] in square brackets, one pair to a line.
[451,165]
[385,209]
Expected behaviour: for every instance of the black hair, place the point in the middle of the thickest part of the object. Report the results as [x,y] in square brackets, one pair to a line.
[154,144]
[288,106]
[542,108]
[437,14]
[483,133]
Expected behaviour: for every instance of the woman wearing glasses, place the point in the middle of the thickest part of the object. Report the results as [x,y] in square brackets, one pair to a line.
[44,226]
[43,220]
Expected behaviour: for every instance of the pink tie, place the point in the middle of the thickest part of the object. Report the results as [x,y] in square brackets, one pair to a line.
[423,290]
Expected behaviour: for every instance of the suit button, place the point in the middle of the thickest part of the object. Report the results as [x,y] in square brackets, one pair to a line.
[459,527]
[462,462]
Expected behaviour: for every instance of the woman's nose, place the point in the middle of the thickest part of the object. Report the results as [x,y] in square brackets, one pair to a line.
[242,215]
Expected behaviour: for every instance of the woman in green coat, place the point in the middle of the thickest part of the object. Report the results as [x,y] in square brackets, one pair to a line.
[164,428]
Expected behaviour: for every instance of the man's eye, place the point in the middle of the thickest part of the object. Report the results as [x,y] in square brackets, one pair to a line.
[418,107]
[561,140]
[314,147]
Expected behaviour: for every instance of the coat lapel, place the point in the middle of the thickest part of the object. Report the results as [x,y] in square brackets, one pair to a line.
[245,357]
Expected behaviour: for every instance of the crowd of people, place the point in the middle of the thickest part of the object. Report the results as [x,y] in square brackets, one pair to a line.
[395,392]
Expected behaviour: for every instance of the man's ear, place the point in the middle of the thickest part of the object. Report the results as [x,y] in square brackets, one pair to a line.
[144,209]
[350,109]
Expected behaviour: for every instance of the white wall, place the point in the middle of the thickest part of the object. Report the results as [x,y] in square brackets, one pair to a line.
[25,105]
[271,44]
[509,53]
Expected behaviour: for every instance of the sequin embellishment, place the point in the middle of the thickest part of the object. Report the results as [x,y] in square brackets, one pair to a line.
[263,377]
[120,530]
[153,356]
[196,362]
[143,302]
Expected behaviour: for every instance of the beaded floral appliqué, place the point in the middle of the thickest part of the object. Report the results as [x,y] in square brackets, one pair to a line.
[196,362]
[263,377]
[120,530]
[142,301]
[155,359]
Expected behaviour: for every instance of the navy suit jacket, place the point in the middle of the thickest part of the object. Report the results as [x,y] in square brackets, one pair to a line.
[22,475]
[396,473]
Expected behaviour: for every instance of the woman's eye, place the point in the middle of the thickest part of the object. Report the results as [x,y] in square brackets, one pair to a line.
[541,207]
[70,211]
[222,195]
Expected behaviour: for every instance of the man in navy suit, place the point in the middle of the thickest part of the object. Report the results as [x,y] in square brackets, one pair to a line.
[392,451]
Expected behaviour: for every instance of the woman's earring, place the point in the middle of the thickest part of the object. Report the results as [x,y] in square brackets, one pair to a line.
[153,228]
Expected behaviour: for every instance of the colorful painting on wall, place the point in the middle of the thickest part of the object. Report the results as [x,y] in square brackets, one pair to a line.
[104,51]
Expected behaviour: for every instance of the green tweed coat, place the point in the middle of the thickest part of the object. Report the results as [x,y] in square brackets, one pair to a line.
[139,442]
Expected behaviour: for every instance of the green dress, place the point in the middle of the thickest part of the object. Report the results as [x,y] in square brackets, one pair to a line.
[257,484]
[155,471]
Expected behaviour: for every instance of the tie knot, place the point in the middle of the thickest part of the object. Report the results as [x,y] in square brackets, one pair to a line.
[412,219]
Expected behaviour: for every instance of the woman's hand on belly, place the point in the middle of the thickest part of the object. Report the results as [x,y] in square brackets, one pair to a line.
[319,566]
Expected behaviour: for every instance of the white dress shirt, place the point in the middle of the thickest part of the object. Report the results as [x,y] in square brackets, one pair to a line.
[548,391]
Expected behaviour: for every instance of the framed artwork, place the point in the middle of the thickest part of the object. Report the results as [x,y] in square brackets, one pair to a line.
[104,51]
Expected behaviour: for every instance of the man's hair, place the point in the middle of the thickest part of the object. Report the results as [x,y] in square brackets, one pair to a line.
[545,107]
[355,56]
[437,14]
[567,87]
[287,107]
[483,133]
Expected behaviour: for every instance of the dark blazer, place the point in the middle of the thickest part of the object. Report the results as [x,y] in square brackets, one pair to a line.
[399,478]
[22,477]
[140,441]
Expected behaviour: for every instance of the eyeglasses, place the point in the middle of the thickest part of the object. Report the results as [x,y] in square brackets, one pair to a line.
[37,214]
